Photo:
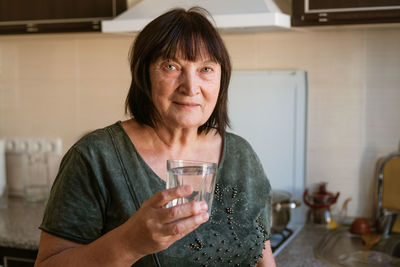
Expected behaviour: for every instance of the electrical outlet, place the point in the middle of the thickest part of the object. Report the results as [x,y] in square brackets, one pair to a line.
[19,145]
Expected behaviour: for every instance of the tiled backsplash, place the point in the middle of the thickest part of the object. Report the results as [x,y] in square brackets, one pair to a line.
[64,85]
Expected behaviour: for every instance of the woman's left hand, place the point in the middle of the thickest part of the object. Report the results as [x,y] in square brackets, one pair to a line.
[154,228]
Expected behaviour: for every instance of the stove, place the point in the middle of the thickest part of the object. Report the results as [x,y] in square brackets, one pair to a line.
[278,239]
[282,239]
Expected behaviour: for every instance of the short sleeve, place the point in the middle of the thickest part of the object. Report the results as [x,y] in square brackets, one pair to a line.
[265,218]
[263,189]
[75,209]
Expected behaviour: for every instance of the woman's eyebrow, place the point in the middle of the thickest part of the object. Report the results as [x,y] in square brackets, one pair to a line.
[170,59]
[210,61]
[202,61]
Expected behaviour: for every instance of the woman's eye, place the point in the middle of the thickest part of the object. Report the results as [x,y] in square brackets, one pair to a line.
[207,69]
[171,67]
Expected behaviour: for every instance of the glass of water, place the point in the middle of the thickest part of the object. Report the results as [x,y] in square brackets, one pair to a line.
[200,175]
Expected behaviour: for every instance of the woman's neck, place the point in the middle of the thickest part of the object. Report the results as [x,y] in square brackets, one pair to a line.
[158,144]
[165,140]
[177,138]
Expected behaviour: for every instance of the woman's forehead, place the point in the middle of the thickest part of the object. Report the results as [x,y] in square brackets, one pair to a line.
[201,55]
[193,49]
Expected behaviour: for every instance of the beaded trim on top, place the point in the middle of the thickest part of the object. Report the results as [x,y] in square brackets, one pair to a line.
[228,249]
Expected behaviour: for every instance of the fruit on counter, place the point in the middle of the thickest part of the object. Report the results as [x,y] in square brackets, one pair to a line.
[360,226]
[333,225]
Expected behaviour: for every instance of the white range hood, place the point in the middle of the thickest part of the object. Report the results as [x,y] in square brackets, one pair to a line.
[229,15]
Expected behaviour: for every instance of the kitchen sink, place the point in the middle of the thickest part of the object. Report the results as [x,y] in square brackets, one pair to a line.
[342,248]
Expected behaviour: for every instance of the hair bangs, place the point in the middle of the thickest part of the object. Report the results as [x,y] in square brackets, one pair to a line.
[188,42]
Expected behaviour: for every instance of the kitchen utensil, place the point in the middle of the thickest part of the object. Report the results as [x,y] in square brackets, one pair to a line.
[281,209]
[370,240]
[360,226]
[319,202]
[343,211]
[200,175]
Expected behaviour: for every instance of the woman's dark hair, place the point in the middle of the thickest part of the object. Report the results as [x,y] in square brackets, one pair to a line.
[176,32]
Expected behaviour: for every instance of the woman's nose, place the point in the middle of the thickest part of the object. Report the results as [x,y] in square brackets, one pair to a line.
[190,84]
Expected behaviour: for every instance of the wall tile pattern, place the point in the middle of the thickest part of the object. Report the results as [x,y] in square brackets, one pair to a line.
[64,85]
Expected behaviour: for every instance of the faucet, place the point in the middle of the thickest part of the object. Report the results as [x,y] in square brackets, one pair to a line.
[384,217]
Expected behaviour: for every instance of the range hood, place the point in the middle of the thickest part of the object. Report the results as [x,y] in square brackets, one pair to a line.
[228,15]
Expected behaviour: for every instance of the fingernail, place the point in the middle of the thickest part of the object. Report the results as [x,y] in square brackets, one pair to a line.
[187,188]
[204,206]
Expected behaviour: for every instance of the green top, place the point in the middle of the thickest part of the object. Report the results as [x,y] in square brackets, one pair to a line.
[103,180]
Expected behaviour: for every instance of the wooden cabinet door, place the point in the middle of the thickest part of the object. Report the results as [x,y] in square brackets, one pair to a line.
[18,262]
[38,16]
[334,12]
[16,257]
[22,10]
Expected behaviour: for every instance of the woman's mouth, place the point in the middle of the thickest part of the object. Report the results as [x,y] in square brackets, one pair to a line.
[187,104]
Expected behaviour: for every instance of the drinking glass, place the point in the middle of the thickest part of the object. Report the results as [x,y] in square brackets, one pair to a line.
[200,175]
[37,180]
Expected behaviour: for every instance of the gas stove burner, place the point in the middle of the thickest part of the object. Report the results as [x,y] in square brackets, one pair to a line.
[278,239]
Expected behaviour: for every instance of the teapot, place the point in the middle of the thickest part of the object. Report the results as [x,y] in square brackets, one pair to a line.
[319,202]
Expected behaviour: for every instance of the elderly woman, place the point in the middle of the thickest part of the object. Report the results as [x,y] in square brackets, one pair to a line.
[108,203]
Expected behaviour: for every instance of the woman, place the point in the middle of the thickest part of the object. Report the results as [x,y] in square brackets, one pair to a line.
[107,205]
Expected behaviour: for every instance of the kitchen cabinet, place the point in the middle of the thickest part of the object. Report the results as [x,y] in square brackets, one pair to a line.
[336,12]
[14,257]
[42,16]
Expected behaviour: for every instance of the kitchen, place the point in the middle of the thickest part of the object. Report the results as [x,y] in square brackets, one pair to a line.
[57,86]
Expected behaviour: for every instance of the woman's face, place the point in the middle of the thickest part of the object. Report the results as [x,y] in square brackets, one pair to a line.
[185,92]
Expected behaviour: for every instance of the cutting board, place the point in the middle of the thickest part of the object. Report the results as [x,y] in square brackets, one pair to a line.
[391,188]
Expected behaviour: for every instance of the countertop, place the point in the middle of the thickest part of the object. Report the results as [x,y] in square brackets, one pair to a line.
[20,221]
[19,224]
[300,251]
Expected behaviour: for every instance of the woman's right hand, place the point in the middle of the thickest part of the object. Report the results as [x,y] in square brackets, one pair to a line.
[154,227]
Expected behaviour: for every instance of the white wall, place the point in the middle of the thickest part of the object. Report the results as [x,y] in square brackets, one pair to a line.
[67,84]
